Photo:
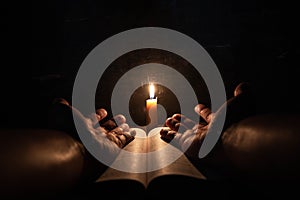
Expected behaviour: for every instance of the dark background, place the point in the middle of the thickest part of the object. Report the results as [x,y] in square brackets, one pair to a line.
[255,41]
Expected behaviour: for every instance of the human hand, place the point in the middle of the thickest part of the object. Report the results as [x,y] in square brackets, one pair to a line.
[115,129]
[188,127]
[192,133]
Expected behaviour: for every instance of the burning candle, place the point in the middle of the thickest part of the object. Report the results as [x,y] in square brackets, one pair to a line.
[151,106]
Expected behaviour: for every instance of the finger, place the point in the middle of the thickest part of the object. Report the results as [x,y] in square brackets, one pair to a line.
[102,113]
[119,119]
[125,127]
[116,136]
[204,112]
[98,116]
[132,133]
[129,135]
[117,130]
[112,136]
[167,135]
[164,131]
[122,137]
[61,100]
[177,116]
[109,125]
[114,122]
[171,122]
[241,88]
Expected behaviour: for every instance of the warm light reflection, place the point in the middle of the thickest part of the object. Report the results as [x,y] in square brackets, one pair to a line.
[151,91]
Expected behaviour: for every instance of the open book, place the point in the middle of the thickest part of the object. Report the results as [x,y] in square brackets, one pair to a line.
[152,166]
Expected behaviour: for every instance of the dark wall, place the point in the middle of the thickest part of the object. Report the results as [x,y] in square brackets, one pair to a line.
[253,41]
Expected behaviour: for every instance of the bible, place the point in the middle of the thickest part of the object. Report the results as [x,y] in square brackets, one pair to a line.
[154,168]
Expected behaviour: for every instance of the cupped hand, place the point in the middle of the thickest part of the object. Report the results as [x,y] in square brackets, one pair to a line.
[115,129]
[191,134]
[188,128]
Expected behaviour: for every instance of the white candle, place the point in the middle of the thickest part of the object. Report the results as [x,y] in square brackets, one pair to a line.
[151,106]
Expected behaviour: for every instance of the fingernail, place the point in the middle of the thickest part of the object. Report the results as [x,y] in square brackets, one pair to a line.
[169,122]
[177,117]
[102,113]
[120,119]
[133,133]
[124,126]
[197,109]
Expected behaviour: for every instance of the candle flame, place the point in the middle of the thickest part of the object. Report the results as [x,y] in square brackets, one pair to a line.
[151,91]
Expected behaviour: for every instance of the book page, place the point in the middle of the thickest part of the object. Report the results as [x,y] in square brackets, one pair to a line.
[151,165]
[166,153]
[133,164]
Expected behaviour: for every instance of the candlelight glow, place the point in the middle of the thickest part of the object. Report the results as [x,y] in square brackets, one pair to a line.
[151,106]
[151,91]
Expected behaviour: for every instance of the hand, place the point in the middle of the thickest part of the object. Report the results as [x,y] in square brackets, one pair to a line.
[192,134]
[189,128]
[115,129]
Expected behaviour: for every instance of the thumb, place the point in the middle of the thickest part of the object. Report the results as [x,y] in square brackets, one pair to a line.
[204,112]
